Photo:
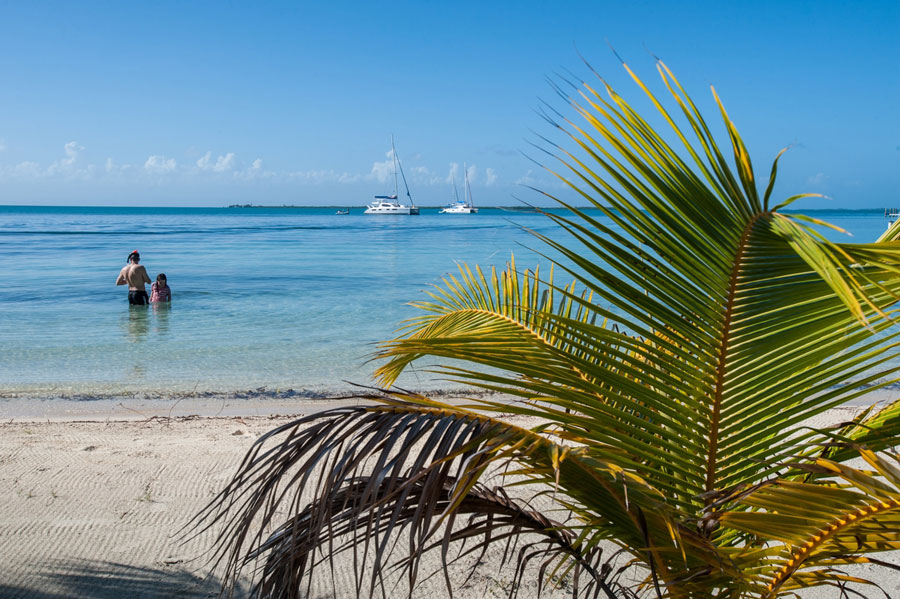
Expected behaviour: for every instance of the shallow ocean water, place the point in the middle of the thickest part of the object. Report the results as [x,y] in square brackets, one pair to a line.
[275,298]
[263,297]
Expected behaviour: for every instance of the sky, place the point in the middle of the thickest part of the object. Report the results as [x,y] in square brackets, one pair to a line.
[270,103]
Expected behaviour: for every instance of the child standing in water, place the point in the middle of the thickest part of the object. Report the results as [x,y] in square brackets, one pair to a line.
[159,291]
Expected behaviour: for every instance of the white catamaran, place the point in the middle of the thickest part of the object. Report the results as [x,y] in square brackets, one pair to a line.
[389,204]
[461,206]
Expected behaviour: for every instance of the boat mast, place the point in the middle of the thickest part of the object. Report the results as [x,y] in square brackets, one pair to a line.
[468,189]
[394,157]
[400,164]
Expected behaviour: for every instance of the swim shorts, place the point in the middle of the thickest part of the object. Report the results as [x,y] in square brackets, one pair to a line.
[138,298]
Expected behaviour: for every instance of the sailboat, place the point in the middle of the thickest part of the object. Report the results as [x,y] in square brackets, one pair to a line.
[461,206]
[389,204]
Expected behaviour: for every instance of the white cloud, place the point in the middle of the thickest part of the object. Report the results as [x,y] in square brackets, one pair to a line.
[383,172]
[490,175]
[322,176]
[221,165]
[254,171]
[159,165]
[211,168]
[114,169]
[72,150]
[422,175]
[73,166]
[530,180]
[527,179]
[224,163]
[28,169]
[453,175]
[203,163]
[817,179]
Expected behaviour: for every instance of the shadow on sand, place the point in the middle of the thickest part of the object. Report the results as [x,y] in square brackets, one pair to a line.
[78,580]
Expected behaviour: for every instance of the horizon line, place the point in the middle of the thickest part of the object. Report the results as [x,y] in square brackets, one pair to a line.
[516,207]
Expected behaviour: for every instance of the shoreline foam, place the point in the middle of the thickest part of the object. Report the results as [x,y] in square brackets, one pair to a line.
[258,403]
[261,402]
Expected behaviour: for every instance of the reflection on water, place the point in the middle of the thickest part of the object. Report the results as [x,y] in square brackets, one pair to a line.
[161,312]
[138,323]
[141,319]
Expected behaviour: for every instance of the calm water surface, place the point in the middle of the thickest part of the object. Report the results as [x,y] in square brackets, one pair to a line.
[275,298]
[281,298]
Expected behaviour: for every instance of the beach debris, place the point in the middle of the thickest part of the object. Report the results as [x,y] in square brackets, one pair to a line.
[171,561]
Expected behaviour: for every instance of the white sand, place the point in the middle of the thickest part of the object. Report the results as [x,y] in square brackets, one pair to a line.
[92,496]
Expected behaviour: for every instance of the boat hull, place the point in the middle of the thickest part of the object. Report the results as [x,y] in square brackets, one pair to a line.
[459,210]
[395,210]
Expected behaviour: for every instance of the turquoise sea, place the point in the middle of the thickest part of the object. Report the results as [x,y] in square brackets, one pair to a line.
[273,298]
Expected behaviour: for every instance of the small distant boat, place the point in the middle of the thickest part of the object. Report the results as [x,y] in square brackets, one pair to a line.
[389,204]
[343,211]
[891,214]
[464,206]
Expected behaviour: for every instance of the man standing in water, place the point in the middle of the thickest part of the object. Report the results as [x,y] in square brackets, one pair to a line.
[135,276]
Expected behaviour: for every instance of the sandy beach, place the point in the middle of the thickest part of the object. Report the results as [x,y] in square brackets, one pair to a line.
[93,495]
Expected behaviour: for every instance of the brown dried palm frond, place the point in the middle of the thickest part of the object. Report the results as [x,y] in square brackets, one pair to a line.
[359,479]
[492,517]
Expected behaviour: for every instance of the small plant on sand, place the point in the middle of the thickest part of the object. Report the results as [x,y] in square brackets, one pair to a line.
[672,378]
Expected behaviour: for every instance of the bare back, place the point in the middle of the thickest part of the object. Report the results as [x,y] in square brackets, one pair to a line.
[135,276]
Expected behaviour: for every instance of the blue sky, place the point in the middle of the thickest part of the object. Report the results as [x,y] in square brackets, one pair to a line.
[212,103]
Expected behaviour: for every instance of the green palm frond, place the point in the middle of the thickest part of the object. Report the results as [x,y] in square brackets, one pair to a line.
[876,428]
[725,323]
[746,299]
[673,376]
[823,525]
[892,233]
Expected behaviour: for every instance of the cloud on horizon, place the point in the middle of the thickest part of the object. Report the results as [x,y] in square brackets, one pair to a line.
[222,164]
[383,172]
[160,165]
[74,164]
